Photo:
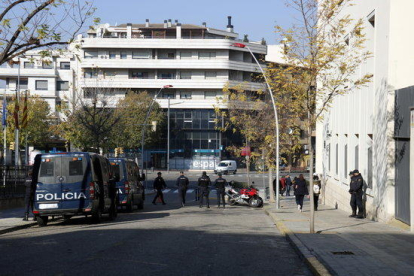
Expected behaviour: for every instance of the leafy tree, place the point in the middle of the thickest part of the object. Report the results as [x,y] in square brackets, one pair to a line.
[323,51]
[39,24]
[132,111]
[39,119]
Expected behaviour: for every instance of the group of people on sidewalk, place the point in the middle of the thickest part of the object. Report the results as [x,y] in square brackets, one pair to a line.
[183,182]
[300,188]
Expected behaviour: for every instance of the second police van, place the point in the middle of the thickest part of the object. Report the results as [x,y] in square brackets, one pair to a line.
[128,182]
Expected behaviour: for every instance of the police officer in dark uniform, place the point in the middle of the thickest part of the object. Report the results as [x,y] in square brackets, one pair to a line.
[220,185]
[159,185]
[355,190]
[28,197]
[182,183]
[203,183]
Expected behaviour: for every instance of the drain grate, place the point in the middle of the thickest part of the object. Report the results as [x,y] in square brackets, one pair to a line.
[342,253]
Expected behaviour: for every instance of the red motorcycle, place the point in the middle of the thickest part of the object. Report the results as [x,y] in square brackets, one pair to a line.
[247,196]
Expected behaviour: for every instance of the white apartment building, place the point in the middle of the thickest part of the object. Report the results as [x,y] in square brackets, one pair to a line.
[196,60]
[368,129]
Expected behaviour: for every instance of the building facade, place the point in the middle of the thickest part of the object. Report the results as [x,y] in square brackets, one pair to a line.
[195,61]
[361,130]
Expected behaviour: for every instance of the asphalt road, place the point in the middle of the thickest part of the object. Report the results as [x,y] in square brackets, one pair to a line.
[159,240]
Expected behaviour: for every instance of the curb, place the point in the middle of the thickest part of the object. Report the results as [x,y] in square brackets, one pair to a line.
[312,262]
[16,228]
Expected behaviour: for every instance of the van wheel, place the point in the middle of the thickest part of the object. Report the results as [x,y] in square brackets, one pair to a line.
[130,206]
[113,212]
[42,221]
[235,172]
[141,205]
[97,216]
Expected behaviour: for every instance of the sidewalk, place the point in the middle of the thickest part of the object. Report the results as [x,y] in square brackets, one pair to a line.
[12,219]
[343,245]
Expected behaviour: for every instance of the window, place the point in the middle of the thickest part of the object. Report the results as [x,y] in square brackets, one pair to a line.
[65,66]
[24,84]
[28,64]
[41,85]
[210,94]
[140,54]
[91,54]
[139,75]
[166,75]
[210,74]
[186,55]
[346,161]
[112,55]
[90,75]
[336,158]
[109,74]
[62,85]
[185,95]
[168,94]
[47,65]
[185,75]
[206,55]
[124,55]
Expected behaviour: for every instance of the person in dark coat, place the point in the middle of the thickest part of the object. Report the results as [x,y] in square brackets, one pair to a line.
[28,197]
[355,189]
[288,184]
[159,185]
[220,185]
[203,183]
[182,184]
[301,190]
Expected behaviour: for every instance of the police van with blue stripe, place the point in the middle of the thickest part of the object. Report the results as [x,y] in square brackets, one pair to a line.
[71,184]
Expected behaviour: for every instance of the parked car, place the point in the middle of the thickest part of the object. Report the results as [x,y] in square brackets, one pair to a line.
[226,166]
[128,182]
[73,183]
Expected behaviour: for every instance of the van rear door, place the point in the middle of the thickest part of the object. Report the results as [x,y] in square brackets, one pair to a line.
[48,186]
[74,181]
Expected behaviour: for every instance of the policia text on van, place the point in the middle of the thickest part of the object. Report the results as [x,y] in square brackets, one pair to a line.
[76,183]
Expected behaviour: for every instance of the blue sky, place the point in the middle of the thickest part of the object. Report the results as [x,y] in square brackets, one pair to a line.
[255,18]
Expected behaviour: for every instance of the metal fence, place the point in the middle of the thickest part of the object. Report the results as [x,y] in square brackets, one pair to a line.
[12,180]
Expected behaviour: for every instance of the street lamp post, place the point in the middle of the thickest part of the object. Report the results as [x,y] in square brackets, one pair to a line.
[241,45]
[145,123]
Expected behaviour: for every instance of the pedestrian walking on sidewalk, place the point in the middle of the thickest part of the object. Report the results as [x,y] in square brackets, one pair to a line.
[220,185]
[282,185]
[159,185]
[288,182]
[355,189]
[28,197]
[204,183]
[182,183]
[300,191]
[316,190]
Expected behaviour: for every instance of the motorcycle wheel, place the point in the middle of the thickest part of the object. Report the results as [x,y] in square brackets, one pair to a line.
[255,202]
[232,202]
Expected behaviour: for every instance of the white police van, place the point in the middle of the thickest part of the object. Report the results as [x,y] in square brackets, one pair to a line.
[226,167]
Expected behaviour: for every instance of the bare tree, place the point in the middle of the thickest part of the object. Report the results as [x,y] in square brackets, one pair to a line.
[40,24]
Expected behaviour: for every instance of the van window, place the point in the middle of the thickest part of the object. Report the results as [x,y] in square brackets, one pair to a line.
[74,168]
[117,170]
[222,164]
[46,169]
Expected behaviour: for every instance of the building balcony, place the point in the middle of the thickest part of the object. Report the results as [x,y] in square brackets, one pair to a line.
[157,43]
[26,72]
[176,83]
[185,64]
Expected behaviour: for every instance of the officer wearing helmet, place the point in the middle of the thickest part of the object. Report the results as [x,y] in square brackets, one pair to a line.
[220,185]
[159,185]
[203,183]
